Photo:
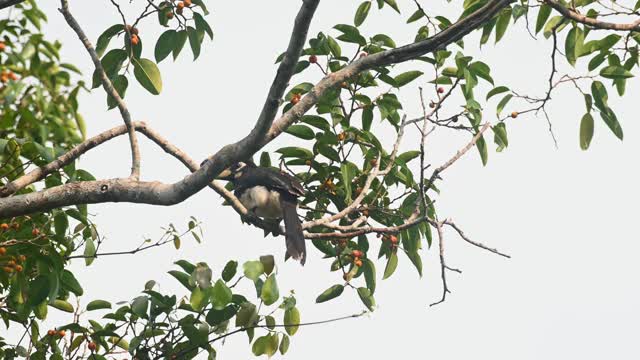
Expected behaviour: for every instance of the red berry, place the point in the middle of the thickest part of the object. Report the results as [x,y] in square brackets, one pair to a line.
[514,114]
[440,90]
[92,346]
[313,59]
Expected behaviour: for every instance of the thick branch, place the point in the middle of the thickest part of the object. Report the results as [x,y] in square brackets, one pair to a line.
[9,3]
[573,15]
[108,87]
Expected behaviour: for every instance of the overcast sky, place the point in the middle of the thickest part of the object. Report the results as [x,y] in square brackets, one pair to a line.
[566,216]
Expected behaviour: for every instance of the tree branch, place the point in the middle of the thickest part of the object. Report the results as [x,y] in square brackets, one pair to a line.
[108,87]
[576,16]
[9,3]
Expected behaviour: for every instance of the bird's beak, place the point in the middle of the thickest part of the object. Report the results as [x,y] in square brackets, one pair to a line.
[226,174]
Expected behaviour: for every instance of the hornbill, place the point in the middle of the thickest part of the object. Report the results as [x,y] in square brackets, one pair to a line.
[270,194]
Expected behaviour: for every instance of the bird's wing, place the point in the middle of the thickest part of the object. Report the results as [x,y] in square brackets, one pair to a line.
[272,179]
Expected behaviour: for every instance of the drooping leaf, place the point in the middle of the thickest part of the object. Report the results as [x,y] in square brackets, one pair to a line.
[148,75]
[586,131]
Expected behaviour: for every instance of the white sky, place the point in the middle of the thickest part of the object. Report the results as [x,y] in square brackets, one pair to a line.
[566,216]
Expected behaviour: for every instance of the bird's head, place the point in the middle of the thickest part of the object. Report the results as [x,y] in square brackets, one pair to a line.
[235,171]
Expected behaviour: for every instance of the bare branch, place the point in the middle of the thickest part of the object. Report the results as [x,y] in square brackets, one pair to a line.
[574,15]
[108,87]
[443,266]
[474,243]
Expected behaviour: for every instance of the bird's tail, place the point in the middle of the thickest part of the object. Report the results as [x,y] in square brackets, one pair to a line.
[294,237]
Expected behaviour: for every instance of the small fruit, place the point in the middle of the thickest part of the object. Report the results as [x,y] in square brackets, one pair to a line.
[4,226]
[344,85]
[7,269]
[440,90]
[3,250]
[180,10]
[2,45]
[365,212]
[308,162]
[4,78]
[356,253]
[180,5]
[432,105]
[358,263]
[187,2]
[295,99]
[373,162]
[135,40]
[514,114]
[11,263]
[341,136]
[35,232]
[22,258]
[169,15]
[313,59]
[92,346]
[393,239]
[19,268]
[51,332]
[358,191]
[62,333]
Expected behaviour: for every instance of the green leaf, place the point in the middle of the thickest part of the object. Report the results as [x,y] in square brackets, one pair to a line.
[165,44]
[599,93]
[369,270]
[148,75]
[120,83]
[367,118]
[301,131]
[89,251]
[611,120]
[417,15]
[502,23]
[503,103]
[105,38]
[296,152]
[198,298]
[195,41]
[217,317]
[347,175]
[140,305]
[284,344]
[407,77]
[181,39]
[247,315]
[291,319]
[495,91]
[221,295]
[229,270]
[615,72]
[500,131]
[407,156]
[393,4]
[331,293]
[61,223]
[98,304]
[38,290]
[366,298]
[265,345]
[586,131]
[482,148]
[71,283]
[111,64]
[182,278]
[570,46]
[392,264]
[62,305]
[253,269]
[362,12]
[270,293]
[543,16]
[268,262]
[202,25]
[384,40]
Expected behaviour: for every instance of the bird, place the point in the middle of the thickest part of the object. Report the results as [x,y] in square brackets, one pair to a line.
[273,195]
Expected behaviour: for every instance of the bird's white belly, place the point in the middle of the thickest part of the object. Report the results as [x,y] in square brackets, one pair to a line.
[265,202]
